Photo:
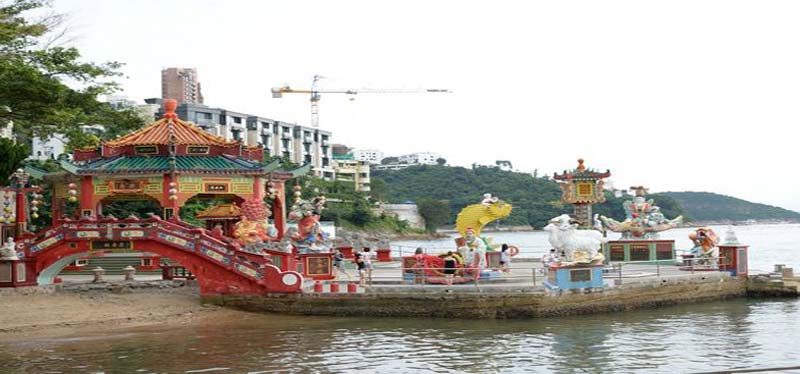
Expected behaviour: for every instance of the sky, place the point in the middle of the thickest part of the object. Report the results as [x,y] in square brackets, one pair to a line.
[675,96]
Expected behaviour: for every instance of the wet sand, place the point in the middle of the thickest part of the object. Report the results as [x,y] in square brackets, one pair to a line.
[67,313]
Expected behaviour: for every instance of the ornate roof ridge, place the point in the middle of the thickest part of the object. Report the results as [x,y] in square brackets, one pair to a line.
[171,130]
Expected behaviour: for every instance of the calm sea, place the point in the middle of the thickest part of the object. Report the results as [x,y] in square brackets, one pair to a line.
[698,337]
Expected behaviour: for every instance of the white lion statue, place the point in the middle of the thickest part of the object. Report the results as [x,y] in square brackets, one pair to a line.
[579,246]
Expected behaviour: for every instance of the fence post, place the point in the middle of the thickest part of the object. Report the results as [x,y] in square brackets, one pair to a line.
[533,271]
[620,273]
[658,269]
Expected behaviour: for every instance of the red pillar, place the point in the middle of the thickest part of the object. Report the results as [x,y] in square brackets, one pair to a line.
[22,219]
[279,208]
[87,193]
[258,188]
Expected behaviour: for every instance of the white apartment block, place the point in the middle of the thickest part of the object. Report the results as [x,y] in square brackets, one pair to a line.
[371,156]
[419,158]
[54,146]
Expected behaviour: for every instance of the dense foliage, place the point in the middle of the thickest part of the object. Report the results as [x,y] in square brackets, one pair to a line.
[33,70]
[347,207]
[707,206]
[12,155]
[535,200]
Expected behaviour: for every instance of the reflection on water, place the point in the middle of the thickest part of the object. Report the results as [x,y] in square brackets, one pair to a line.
[710,336]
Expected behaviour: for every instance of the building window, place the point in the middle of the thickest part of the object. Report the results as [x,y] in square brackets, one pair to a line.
[237,120]
[147,262]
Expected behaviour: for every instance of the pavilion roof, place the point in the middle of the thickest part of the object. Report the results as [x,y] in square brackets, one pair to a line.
[171,130]
[581,173]
[162,164]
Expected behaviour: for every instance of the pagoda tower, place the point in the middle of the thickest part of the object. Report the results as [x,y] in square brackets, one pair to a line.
[582,187]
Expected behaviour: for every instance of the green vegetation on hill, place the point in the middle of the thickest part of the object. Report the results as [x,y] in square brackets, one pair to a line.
[707,206]
[535,200]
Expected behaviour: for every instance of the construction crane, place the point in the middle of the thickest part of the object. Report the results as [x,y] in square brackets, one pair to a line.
[315,92]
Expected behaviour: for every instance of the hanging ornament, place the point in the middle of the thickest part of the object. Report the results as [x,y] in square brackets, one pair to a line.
[72,199]
[173,197]
[35,215]
[2,219]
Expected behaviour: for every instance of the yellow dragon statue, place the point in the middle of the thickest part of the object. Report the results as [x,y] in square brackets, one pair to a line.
[478,215]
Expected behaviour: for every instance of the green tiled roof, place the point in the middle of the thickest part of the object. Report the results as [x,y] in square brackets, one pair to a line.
[147,164]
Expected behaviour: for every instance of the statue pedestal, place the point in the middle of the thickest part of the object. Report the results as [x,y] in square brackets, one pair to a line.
[574,277]
[317,266]
[646,251]
[17,273]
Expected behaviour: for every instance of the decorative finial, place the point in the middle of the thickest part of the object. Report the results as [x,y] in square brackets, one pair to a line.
[169,108]
[580,165]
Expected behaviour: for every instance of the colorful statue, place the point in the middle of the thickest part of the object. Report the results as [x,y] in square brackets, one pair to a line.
[643,219]
[9,250]
[306,214]
[705,249]
[478,215]
[253,227]
[574,246]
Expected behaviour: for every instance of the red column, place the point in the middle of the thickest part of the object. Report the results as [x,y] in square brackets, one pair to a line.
[258,188]
[279,208]
[22,219]
[87,193]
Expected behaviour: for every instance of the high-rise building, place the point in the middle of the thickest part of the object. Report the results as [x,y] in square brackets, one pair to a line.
[182,85]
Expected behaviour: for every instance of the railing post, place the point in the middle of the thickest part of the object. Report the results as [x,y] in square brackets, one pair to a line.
[620,273]
[658,269]
[533,271]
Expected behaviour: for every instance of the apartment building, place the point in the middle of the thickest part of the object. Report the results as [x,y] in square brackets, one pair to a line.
[348,169]
[372,156]
[299,144]
[182,85]
[55,145]
[419,158]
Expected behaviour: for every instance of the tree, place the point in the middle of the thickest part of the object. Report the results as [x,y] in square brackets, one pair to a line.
[12,155]
[33,69]
[440,161]
[378,189]
[389,160]
[435,213]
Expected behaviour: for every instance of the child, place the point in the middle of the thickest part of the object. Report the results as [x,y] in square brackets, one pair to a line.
[361,266]
[449,268]
[505,258]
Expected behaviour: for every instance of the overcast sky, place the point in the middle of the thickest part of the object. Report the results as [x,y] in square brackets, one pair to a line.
[673,95]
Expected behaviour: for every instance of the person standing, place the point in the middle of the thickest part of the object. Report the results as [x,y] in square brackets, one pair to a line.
[449,268]
[419,266]
[360,265]
[368,256]
[505,258]
[338,263]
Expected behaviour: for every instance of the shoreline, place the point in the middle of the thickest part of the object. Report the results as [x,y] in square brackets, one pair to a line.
[48,312]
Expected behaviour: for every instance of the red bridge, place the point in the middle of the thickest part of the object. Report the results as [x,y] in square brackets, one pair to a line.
[221,266]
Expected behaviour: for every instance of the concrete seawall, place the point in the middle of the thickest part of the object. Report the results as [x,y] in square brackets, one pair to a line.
[505,302]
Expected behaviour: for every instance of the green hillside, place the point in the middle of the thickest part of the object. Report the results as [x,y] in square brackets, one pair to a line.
[535,200]
[707,206]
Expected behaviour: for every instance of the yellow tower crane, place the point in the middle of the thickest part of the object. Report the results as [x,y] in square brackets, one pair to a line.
[316,92]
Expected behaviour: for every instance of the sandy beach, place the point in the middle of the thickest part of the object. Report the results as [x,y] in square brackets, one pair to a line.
[65,313]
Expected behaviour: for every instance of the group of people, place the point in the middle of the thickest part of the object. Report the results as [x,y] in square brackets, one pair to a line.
[362,259]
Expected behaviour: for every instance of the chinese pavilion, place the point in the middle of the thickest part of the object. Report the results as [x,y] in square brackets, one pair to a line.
[171,161]
[582,187]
